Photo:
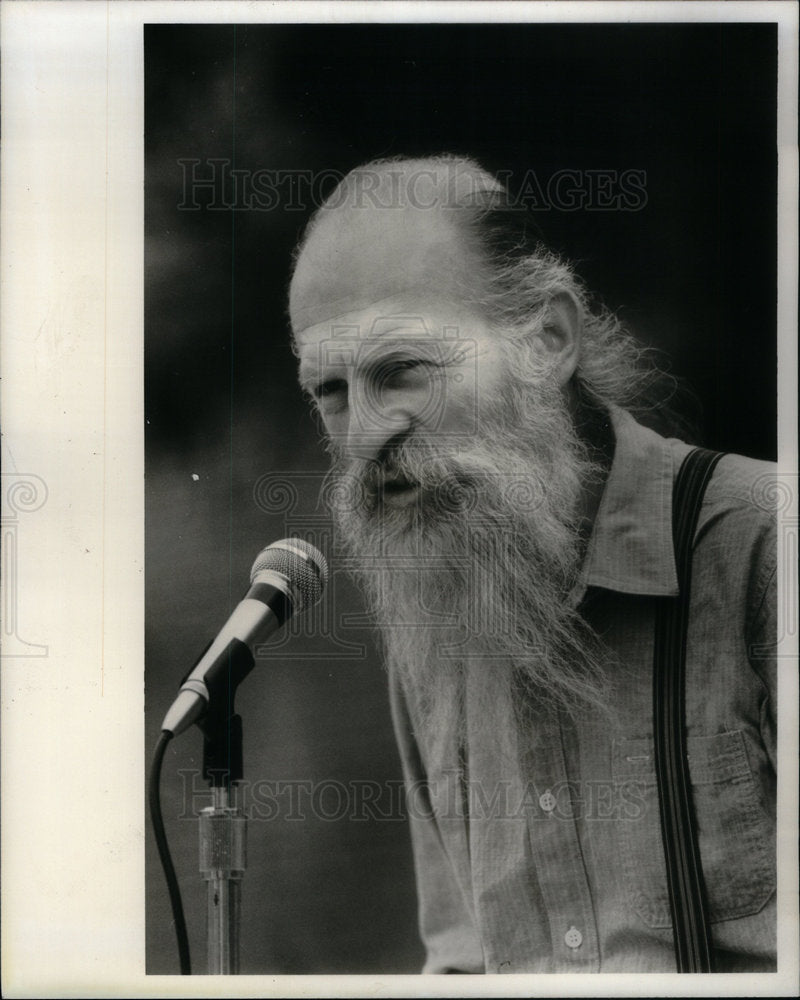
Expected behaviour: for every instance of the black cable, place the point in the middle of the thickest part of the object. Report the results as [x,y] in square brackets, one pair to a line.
[163,852]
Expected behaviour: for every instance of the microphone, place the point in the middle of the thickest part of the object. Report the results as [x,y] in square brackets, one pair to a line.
[287,577]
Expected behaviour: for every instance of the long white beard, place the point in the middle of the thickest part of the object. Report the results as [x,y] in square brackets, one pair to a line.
[477,570]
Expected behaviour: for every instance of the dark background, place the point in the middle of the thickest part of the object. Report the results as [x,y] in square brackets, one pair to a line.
[693,271]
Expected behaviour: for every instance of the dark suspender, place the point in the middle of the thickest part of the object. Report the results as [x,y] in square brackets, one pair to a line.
[690,924]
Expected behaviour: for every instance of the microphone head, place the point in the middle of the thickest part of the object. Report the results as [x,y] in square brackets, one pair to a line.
[302,564]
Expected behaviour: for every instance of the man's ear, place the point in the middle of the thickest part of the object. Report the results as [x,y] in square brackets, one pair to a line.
[559,341]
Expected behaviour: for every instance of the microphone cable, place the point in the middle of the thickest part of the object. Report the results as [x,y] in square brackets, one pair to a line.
[154,799]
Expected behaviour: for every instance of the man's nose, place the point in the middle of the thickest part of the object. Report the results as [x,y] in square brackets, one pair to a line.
[374,420]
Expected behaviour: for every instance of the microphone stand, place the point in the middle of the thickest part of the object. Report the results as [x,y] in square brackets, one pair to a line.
[223,826]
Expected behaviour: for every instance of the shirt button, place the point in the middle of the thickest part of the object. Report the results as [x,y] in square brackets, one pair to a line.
[573,938]
[547,801]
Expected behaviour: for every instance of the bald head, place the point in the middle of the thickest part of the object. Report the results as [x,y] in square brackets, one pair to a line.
[397,234]
[389,229]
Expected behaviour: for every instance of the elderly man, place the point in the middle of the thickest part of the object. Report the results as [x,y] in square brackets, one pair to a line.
[512,523]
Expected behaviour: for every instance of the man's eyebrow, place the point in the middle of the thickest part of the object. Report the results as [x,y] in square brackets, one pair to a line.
[412,322]
[307,376]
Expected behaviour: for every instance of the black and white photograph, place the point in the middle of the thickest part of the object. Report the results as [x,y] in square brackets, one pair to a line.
[463,511]
[440,310]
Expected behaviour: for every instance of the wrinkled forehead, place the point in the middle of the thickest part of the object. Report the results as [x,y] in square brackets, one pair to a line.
[360,254]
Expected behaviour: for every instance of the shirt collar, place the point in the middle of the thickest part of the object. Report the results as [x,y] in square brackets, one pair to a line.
[630,548]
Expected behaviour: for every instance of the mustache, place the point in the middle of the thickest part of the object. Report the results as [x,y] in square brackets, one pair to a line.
[450,480]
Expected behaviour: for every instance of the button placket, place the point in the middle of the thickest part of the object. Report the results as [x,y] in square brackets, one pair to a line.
[558,859]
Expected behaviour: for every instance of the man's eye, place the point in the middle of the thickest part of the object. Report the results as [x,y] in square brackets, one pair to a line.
[329,388]
[401,366]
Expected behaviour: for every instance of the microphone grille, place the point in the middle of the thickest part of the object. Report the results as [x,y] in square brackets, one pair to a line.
[300,562]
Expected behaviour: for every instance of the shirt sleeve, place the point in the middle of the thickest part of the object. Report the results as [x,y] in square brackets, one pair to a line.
[447,927]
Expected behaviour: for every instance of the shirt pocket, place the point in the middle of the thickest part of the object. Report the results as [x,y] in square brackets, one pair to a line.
[736,837]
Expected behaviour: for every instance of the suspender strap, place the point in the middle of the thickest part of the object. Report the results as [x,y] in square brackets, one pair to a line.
[690,924]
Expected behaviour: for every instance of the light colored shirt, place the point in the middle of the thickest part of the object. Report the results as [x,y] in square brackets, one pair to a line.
[549,859]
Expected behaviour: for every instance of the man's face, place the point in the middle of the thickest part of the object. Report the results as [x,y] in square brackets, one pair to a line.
[413,368]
